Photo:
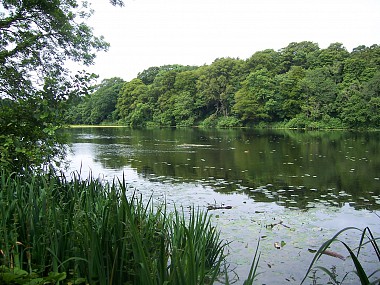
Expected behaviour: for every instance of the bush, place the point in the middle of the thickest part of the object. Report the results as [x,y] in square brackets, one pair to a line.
[186,123]
[209,122]
[299,122]
[228,122]
[152,125]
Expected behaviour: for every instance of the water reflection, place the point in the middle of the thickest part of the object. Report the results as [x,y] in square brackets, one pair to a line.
[294,169]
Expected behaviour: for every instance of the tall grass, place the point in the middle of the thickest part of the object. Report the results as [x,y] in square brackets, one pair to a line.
[85,232]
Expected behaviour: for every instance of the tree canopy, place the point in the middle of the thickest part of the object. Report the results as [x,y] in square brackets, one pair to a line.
[38,38]
[298,86]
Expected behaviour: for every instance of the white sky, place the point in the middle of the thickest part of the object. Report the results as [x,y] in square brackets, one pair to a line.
[148,33]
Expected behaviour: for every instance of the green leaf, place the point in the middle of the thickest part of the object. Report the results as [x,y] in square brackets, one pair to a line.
[359,268]
[56,276]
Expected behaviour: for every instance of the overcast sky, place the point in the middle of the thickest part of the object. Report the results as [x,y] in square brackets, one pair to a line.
[148,33]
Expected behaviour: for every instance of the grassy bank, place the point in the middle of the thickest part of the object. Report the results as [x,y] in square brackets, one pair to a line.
[82,232]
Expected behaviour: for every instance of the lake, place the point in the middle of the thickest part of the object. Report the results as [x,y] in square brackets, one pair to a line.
[291,189]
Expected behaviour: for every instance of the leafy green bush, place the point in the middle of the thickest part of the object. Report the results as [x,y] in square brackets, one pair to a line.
[152,125]
[209,122]
[186,123]
[228,122]
[299,122]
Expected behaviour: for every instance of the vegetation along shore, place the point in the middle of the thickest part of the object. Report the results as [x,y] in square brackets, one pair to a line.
[69,230]
[298,86]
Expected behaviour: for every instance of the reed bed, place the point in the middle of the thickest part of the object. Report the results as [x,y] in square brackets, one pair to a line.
[59,231]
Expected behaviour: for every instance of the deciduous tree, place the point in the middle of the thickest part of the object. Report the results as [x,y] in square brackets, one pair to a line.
[37,39]
[255,100]
[133,103]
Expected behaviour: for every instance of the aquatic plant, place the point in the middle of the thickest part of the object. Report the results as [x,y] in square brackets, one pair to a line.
[88,232]
[366,238]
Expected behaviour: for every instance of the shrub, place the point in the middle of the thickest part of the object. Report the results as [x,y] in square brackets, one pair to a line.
[299,122]
[228,122]
[209,122]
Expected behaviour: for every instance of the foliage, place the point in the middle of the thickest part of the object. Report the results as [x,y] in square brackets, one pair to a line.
[217,84]
[318,94]
[97,233]
[29,126]
[209,122]
[228,122]
[254,100]
[147,76]
[37,39]
[19,276]
[132,103]
[97,108]
[299,86]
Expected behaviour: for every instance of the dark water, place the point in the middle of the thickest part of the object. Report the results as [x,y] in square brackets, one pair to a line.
[315,183]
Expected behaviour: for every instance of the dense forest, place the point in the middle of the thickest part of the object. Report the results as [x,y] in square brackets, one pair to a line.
[299,86]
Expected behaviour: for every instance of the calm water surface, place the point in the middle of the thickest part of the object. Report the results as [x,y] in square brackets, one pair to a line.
[293,188]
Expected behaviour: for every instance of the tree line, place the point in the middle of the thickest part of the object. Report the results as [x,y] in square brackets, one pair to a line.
[299,86]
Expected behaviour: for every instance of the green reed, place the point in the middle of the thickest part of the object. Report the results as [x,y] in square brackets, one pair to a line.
[366,239]
[94,233]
